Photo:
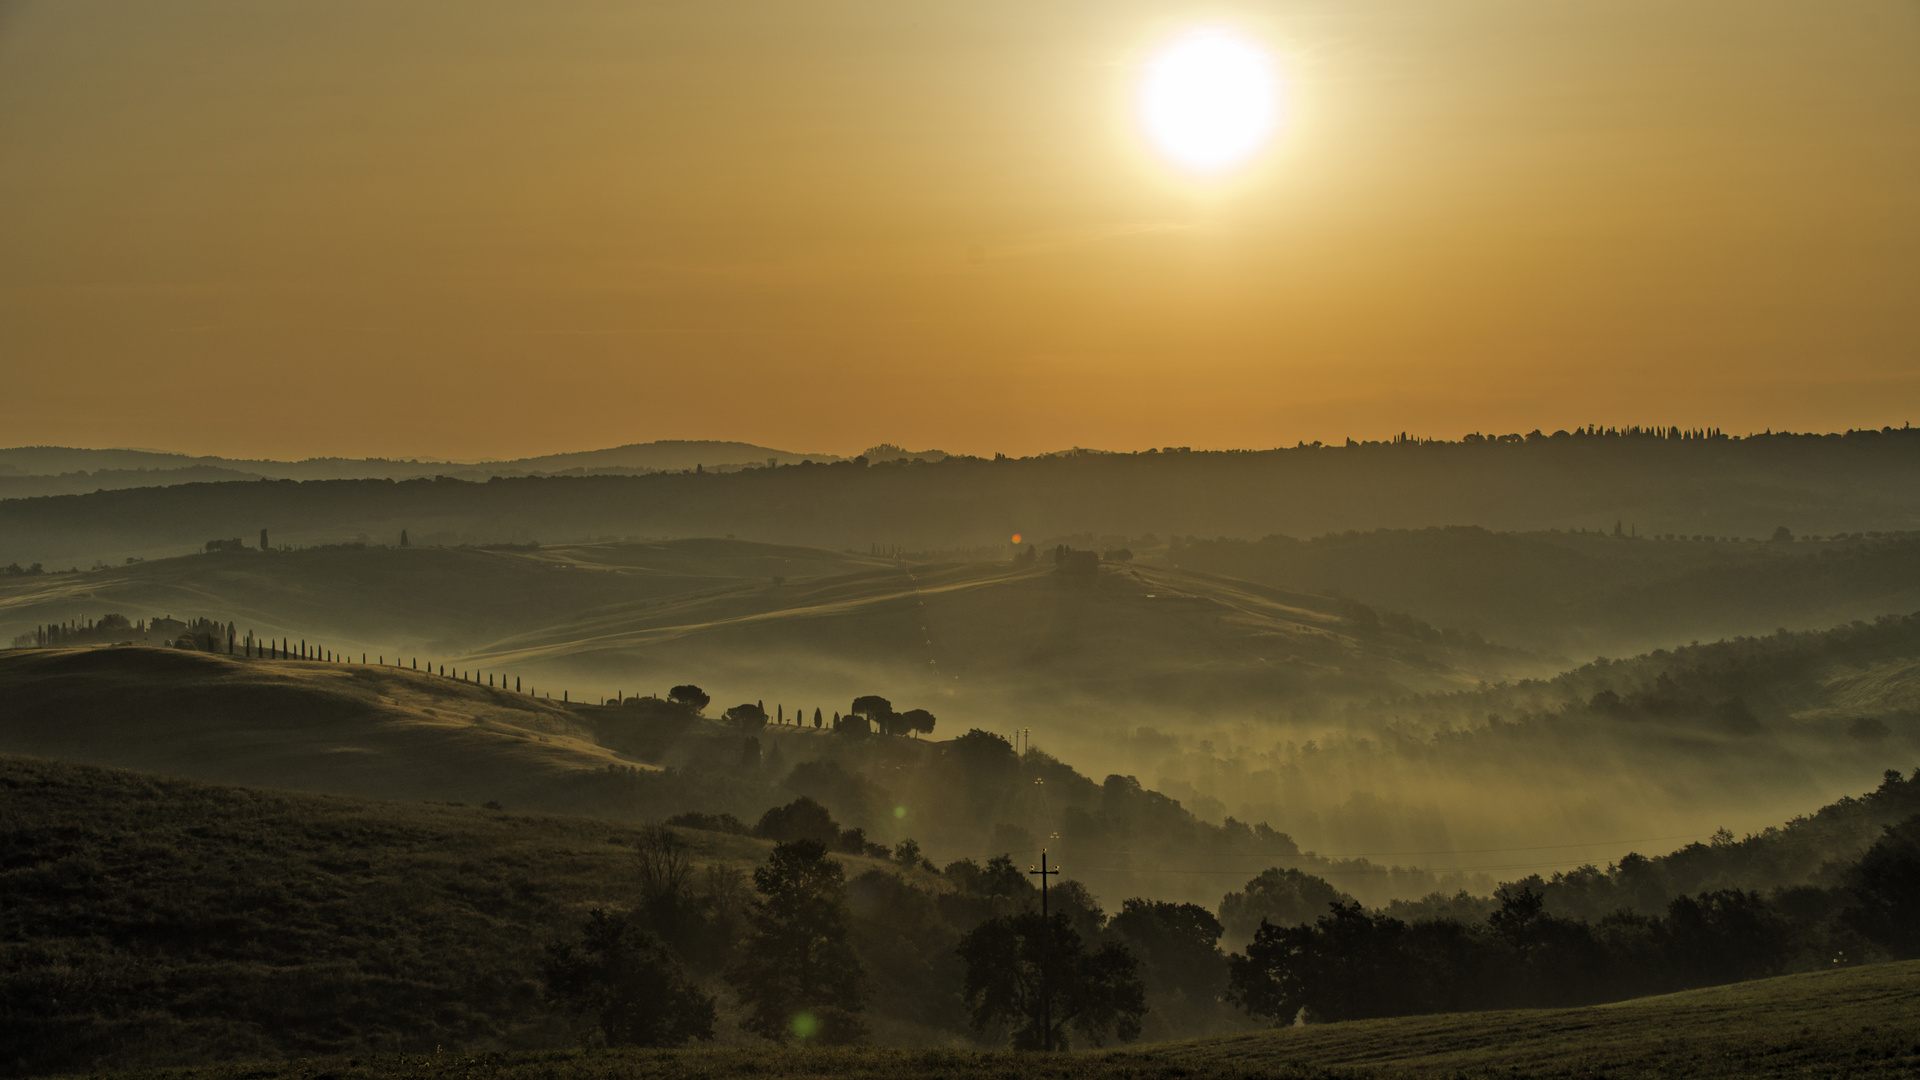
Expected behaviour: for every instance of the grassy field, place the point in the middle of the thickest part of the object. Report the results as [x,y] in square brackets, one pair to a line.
[1862,1022]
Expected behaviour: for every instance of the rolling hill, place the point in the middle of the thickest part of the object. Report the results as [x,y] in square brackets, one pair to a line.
[1581,594]
[1863,1021]
[63,469]
[1858,1022]
[438,600]
[1355,733]
[782,623]
[1652,484]
[157,921]
[151,922]
[343,728]
[1031,634]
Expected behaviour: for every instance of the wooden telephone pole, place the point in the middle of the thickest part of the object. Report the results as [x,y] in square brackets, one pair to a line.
[1046,934]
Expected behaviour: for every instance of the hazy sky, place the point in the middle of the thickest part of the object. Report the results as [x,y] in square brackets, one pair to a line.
[482,228]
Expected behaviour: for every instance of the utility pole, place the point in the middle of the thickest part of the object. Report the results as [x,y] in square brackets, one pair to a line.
[1046,935]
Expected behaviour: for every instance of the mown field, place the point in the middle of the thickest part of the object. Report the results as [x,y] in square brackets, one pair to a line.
[1858,1022]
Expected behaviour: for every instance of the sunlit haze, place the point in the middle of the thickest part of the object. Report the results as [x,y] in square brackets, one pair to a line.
[902,538]
[480,229]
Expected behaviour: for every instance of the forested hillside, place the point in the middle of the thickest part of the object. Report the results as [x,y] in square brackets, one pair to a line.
[1654,483]
[1589,592]
[152,922]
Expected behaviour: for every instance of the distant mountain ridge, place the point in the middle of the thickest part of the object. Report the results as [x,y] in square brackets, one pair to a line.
[28,471]
[1643,484]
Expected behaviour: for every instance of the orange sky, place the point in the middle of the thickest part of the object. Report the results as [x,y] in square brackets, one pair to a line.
[480,228]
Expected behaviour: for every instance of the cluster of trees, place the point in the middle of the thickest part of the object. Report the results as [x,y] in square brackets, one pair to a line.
[968,946]
[867,714]
[871,712]
[108,629]
[202,634]
[784,949]
[960,948]
[1067,560]
[806,819]
[1736,686]
[1351,963]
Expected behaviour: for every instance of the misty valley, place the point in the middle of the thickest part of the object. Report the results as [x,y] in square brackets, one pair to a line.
[313,793]
[861,540]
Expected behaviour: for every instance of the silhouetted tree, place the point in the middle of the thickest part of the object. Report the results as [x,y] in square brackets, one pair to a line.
[1331,970]
[628,982]
[1885,886]
[690,696]
[747,715]
[798,977]
[802,819]
[918,721]
[1283,897]
[1097,994]
[1725,936]
[1180,944]
[877,710]
[666,879]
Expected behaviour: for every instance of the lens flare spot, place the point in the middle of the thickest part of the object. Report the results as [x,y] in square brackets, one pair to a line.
[804,1025]
[899,811]
[1016,538]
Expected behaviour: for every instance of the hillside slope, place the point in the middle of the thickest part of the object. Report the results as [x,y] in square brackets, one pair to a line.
[146,920]
[435,599]
[1034,634]
[1746,487]
[1865,1019]
[769,622]
[1859,1022]
[48,470]
[1586,593]
[347,729]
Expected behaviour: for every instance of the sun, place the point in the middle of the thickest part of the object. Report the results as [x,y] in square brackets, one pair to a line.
[1209,100]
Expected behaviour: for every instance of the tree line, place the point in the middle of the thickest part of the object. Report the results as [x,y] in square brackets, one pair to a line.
[967,944]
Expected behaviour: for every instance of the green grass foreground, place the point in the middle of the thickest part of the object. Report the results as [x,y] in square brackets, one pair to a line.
[1855,1022]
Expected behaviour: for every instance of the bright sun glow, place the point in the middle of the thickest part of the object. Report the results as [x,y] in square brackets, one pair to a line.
[1209,100]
